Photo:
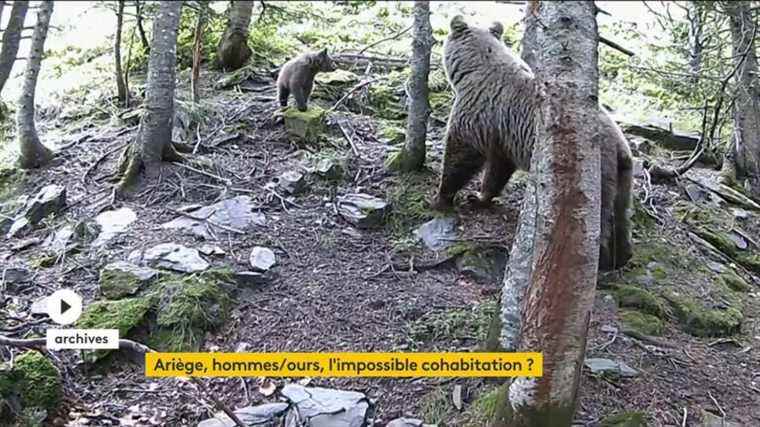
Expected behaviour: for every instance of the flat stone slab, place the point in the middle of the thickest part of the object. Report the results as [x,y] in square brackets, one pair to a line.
[266,415]
[112,223]
[120,279]
[438,233]
[235,213]
[362,210]
[325,407]
[171,256]
[607,366]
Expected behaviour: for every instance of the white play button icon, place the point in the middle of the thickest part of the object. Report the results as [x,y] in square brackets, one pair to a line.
[64,306]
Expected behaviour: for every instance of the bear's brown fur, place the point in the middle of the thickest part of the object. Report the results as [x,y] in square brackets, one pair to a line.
[492,124]
[297,77]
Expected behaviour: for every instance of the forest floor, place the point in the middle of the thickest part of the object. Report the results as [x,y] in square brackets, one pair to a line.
[339,288]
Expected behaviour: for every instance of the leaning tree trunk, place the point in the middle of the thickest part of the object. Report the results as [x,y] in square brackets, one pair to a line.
[153,143]
[412,155]
[694,14]
[566,221]
[12,39]
[743,162]
[33,153]
[121,87]
[233,51]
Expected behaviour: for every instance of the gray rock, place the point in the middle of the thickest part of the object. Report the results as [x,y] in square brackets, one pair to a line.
[235,213]
[211,250]
[120,279]
[405,422]
[438,233]
[15,275]
[740,213]
[266,415]
[711,420]
[171,256]
[607,366]
[112,223]
[60,241]
[715,266]
[483,263]
[362,210]
[326,407]
[48,201]
[291,182]
[252,278]
[738,239]
[329,169]
[262,259]
[39,306]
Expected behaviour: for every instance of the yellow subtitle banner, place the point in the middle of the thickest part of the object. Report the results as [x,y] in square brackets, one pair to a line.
[344,364]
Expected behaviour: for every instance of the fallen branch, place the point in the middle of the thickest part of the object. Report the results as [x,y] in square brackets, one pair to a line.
[40,344]
[660,173]
[616,46]
[350,92]
[349,139]
[226,181]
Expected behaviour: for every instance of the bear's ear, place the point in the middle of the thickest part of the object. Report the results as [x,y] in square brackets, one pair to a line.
[496,29]
[323,53]
[457,24]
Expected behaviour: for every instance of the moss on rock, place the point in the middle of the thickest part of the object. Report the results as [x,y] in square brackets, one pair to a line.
[124,314]
[702,321]
[305,126]
[119,280]
[187,307]
[636,297]
[32,382]
[391,132]
[641,322]
[734,281]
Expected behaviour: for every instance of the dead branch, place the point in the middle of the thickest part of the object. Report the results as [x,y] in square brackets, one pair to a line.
[393,37]
[616,46]
[350,92]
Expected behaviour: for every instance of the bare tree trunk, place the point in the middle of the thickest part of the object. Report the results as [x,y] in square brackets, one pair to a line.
[200,23]
[154,142]
[33,153]
[11,40]
[140,28]
[694,15]
[233,51]
[745,145]
[566,221]
[412,155]
[121,87]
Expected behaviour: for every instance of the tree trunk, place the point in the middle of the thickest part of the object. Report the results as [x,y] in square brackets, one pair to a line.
[694,15]
[11,40]
[33,153]
[746,114]
[412,155]
[233,51]
[121,87]
[153,142]
[566,221]
[198,51]
[140,27]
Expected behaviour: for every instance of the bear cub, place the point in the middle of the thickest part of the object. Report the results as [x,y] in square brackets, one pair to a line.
[297,77]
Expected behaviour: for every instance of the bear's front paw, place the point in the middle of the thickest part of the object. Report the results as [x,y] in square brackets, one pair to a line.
[441,204]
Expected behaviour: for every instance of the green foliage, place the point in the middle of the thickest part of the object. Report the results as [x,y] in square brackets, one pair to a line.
[124,315]
[641,322]
[454,324]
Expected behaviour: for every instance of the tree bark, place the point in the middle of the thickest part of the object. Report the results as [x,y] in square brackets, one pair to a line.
[233,51]
[33,153]
[412,155]
[121,87]
[198,51]
[695,15]
[11,40]
[565,226]
[745,140]
[140,28]
[153,143]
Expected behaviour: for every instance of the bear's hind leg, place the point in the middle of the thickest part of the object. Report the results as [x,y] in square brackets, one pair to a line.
[282,94]
[498,171]
[461,161]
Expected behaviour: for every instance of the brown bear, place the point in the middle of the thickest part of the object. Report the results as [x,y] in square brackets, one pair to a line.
[297,77]
[492,127]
